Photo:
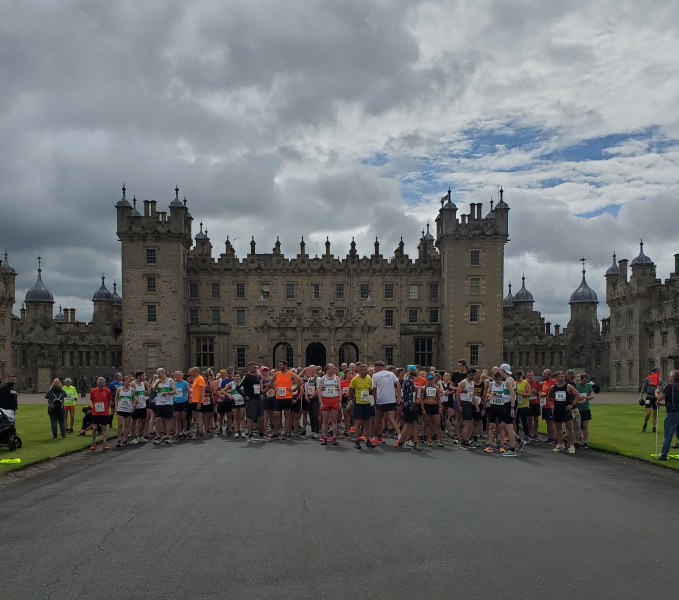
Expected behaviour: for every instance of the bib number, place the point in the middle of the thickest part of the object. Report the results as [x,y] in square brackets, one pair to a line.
[533,396]
[648,402]
[330,391]
[99,407]
[365,396]
[270,394]
[497,400]
[345,392]
[282,392]
[256,389]
[179,394]
[543,401]
[477,399]
[124,405]
[310,389]
[238,399]
[560,396]
[431,392]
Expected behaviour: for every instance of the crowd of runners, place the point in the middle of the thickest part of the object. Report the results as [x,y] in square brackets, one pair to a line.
[497,410]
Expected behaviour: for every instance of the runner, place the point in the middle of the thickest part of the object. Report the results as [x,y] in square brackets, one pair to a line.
[647,397]
[386,388]
[431,400]
[466,399]
[254,409]
[165,393]
[586,392]
[282,384]
[524,393]
[669,397]
[533,406]
[123,402]
[411,400]
[181,406]
[208,406]
[225,404]
[310,401]
[547,405]
[268,404]
[347,406]
[113,387]
[565,397]
[69,404]
[479,412]
[197,398]
[455,412]
[140,414]
[101,401]
[234,392]
[420,382]
[360,394]
[328,389]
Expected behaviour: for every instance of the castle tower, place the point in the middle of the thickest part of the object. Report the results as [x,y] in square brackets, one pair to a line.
[102,317]
[472,264]
[154,252]
[7,297]
[39,301]
[583,304]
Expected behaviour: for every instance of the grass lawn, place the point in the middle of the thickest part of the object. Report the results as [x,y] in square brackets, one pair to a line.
[617,428]
[33,427]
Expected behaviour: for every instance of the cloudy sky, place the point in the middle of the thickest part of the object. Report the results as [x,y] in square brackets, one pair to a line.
[347,118]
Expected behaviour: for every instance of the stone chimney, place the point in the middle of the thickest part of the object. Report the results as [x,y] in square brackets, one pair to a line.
[622,265]
[557,328]
[548,328]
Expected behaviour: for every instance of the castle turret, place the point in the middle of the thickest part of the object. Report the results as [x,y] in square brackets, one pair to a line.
[103,307]
[39,300]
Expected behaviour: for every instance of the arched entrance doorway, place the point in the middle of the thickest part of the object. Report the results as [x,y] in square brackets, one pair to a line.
[347,353]
[282,351]
[315,354]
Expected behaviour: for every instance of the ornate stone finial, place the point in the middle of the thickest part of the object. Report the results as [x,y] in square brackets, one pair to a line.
[583,259]
[327,245]
[252,245]
[184,200]
[39,265]
[176,192]
[491,204]
[124,189]
[510,287]
[501,193]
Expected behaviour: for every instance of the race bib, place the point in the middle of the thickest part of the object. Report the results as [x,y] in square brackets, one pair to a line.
[124,404]
[533,396]
[560,396]
[583,396]
[648,402]
[179,394]
[256,389]
[345,392]
[238,400]
[141,401]
[365,396]
[310,389]
[330,391]
[543,401]
[282,392]
[431,392]
[206,399]
[270,393]
[99,407]
[477,399]
[497,400]
[69,397]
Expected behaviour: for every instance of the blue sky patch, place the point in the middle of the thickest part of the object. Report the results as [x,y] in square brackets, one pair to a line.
[611,209]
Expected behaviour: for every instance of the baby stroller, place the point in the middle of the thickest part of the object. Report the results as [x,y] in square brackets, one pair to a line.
[8,432]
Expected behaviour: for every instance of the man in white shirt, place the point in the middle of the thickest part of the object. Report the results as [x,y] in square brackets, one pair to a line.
[385,387]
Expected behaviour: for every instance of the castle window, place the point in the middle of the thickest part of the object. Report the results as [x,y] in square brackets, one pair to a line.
[205,352]
[339,291]
[289,290]
[617,318]
[630,371]
[315,291]
[630,316]
[388,291]
[473,355]
[240,358]
[618,373]
[521,355]
[474,286]
[664,338]
[598,358]
[389,318]
[651,340]
[193,290]
[365,290]
[630,341]
[473,313]
[265,290]
[240,318]
[240,290]
[216,316]
[423,351]
[151,357]
[412,316]
[434,291]
[215,290]
[151,313]
[389,355]
[434,315]
[617,344]
[193,316]
[475,258]
[150,284]
[290,313]
[339,314]
[150,256]
[413,291]
[96,358]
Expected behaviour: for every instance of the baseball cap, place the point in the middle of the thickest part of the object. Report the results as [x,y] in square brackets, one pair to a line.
[570,372]
[430,376]
[265,368]
[412,368]
[506,368]
[67,379]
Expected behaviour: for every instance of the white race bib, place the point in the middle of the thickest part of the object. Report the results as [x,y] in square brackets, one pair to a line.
[497,400]
[282,392]
[99,407]
[648,402]
[534,395]
[330,390]
[179,394]
[477,399]
[69,397]
[237,399]
[431,392]
[310,389]
[560,396]
[543,401]
[365,396]
[345,391]
[124,405]
[583,396]
[256,389]
[270,393]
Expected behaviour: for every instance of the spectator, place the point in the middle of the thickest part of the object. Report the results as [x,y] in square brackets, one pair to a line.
[8,395]
[113,387]
[56,397]
[69,404]
[87,420]
[82,387]
[669,397]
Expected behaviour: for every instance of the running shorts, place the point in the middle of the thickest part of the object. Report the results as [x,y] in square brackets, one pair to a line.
[363,412]
[164,411]
[585,414]
[389,407]
[138,413]
[534,410]
[431,409]
[254,408]
[180,406]
[561,415]
[330,404]
[297,406]
[100,419]
[283,404]
[547,414]
[467,410]
[269,404]
[124,414]
[223,408]
[409,416]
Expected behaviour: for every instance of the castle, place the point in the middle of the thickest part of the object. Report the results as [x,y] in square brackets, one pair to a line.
[184,307]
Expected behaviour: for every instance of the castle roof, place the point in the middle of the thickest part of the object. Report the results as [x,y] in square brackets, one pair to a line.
[6,267]
[642,259]
[117,300]
[102,293]
[523,295]
[613,269]
[60,316]
[39,293]
[584,293]
[509,299]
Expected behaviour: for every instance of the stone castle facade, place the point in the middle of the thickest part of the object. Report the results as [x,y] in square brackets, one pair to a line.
[182,307]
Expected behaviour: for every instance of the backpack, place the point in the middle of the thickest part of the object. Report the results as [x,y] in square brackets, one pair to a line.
[57,402]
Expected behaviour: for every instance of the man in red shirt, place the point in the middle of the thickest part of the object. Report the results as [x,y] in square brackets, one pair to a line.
[101,402]
[548,406]
[533,406]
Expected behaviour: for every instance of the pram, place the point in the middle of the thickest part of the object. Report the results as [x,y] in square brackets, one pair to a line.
[8,432]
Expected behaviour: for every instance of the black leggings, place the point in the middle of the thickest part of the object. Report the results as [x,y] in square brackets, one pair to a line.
[522,414]
[314,406]
[57,415]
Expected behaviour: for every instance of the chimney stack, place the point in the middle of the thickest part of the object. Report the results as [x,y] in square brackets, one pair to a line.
[548,328]
[622,265]
[557,327]
[146,208]
[152,204]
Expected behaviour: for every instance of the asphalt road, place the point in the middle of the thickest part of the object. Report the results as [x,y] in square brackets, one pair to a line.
[224,518]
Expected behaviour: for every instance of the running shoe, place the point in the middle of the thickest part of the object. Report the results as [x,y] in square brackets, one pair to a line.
[265,438]
[502,450]
[654,430]
[571,450]
[334,441]
[417,447]
[643,429]
[508,453]
[142,440]
[373,439]
[352,429]
[324,442]
[488,448]
[93,447]
[585,445]
[439,444]
[166,440]
[315,436]
[397,444]
[526,440]
[135,441]
[362,439]
[157,440]
[429,443]
[559,448]
[357,445]
[105,446]
[400,446]
[409,444]
[522,445]
[380,439]
[470,447]
[369,444]
[119,443]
